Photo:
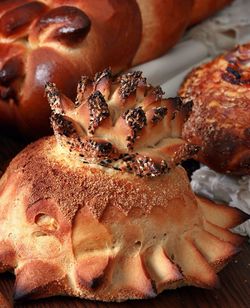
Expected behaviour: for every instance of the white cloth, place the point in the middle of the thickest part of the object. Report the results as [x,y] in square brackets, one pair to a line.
[223,188]
[229,27]
[179,58]
[219,33]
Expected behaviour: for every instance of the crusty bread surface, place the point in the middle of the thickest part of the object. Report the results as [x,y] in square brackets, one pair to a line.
[99,233]
[220,117]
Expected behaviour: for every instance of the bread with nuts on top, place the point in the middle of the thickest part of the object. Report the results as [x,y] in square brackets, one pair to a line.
[220,119]
[102,210]
[60,40]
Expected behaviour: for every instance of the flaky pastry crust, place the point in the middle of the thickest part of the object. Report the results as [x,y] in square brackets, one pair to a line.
[220,118]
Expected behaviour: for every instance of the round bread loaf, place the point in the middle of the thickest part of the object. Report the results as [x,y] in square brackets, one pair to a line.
[220,119]
[61,40]
[101,211]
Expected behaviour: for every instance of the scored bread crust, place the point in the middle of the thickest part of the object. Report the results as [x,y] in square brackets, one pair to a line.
[98,233]
[220,117]
[102,210]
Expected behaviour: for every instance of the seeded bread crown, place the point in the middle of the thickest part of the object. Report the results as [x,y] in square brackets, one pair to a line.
[121,122]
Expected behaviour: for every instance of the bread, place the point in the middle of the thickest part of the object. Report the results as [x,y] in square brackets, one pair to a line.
[101,210]
[164,21]
[47,40]
[202,9]
[54,39]
[220,118]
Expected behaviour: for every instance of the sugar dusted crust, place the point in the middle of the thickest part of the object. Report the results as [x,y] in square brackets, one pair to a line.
[99,233]
[220,118]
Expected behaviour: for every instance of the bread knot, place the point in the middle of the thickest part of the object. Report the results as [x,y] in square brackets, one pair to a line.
[121,122]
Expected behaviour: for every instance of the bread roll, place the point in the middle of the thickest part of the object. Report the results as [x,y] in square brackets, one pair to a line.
[202,9]
[102,211]
[220,119]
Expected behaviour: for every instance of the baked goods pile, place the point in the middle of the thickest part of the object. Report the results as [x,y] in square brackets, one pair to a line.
[102,210]
[220,119]
[47,40]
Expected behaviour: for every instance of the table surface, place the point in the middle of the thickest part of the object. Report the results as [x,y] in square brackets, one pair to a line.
[233,293]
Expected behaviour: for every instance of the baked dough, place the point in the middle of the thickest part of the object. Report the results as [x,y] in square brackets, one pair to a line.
[102,211]
[47,40]
[220,119]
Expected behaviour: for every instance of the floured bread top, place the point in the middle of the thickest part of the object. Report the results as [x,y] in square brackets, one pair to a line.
[121,122]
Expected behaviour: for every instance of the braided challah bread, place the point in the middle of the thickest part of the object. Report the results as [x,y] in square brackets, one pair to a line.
[61,40]
[220,119]
[102,211]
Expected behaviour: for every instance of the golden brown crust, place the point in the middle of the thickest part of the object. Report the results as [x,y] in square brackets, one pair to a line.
[51,39]
[220,117]
[202,9]
[45,40]
[122,122]
[98,233]
[121,186]
[163,24]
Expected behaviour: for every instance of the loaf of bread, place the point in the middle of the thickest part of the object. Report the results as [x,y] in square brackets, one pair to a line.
[102,210]
[202,9]
[61,40]
[220,119]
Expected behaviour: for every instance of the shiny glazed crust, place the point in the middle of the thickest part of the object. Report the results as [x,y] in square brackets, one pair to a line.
[163,23]
[98,233]
[47,40]
[220,118]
